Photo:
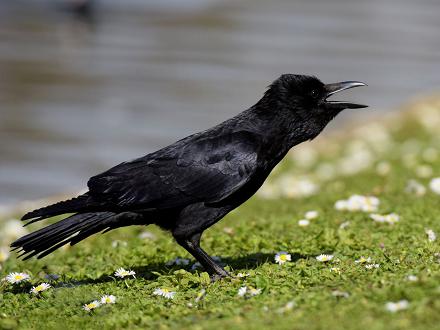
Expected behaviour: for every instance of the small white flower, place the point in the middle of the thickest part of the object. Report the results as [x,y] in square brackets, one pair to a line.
[254,292]
[431,235]
[118,243]
[147,235]
[336,270]
[91,306]
[248,291]
[287,307]
[343,294]
[282,257]
[416,188]
[242,291]
[108,299]
[344,225]
[15,278]
[372,266]
[362,260]
[341,205]
[324,257]
[121,273]
[40,288]
[200,295]
[242,275]
[397,306]
[434,185]
[4,254]
[303,223]
[391,218]
[164,293]
[358,203]
[412,278]
[309,215]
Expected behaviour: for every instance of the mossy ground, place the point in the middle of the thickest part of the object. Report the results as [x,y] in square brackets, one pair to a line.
[247,240]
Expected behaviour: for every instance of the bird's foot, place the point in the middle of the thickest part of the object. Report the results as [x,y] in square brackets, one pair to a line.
[218,276]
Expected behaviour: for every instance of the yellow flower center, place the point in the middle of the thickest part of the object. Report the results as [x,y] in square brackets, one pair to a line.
[283,257]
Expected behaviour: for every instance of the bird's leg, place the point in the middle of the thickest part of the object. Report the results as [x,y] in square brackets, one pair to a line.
[192,245]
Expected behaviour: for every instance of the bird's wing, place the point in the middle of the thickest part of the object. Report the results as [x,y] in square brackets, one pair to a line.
[207,169]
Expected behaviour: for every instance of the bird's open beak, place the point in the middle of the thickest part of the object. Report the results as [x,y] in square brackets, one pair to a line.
[338,87]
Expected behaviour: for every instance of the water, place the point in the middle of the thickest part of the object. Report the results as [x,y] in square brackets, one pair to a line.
[77,97]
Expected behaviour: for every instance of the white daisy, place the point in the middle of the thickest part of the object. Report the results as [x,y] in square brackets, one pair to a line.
[242,275]
[287,307]
[391,218]
[434,185]
[309,215]
[108,299]
[344,225]
[164,293]
[254,292]
[396,306]
[242,291]
[121,273]
[336,270]
[416,188]
[343,294]
[431,235]
[40,288]
[362,260]
[303,223]
[282,257]
[91,306]
[372,266]
[15,278]
[412,278]
[200,295]
[324,257]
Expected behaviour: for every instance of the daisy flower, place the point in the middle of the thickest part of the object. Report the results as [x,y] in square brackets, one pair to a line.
[200,295]
[108,299]
[303,223]
[248,291]
[336,270]
[309,215]
[396,306]
[242,275]
[431,235]
[434,185]
[362,260]
[372,266]
[324,257]
[164,293]
[391,218]
[412,278]
[15,278]
[91,306]
[344,225]
[282,257]
[343,294]
[242,291]
[254,292]
[416,188]
[40,288]
[121,273]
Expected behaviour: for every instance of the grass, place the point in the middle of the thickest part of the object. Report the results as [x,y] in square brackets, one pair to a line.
[377,159]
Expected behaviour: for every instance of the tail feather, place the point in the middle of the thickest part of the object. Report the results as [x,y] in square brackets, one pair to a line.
[72,229]
[77,204]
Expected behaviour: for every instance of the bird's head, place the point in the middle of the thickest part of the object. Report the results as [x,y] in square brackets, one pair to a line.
[302,101]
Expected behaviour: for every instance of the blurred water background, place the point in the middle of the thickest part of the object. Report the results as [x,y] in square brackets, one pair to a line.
[82,91]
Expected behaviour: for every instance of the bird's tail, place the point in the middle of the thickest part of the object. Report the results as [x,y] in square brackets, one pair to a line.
[70,230]
[74,205]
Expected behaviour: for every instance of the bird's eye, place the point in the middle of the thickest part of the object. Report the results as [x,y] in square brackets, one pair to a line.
[314,93]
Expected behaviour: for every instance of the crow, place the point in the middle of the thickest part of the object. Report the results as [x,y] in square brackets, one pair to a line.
[191,184]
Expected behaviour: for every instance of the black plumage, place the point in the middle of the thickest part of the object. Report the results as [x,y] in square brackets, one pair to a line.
[190,185]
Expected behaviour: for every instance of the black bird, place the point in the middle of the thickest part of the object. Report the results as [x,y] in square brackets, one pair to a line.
[190,185]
